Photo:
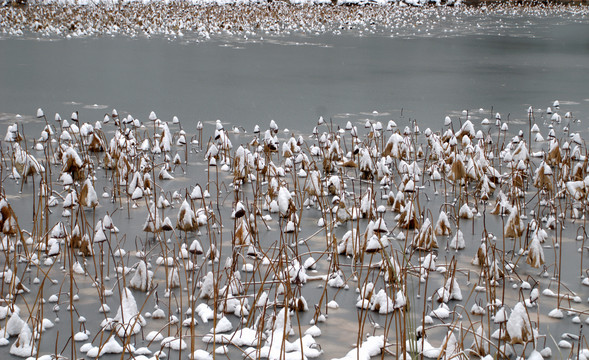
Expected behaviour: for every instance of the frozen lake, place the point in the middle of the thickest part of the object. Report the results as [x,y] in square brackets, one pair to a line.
[494,64]
[295,79]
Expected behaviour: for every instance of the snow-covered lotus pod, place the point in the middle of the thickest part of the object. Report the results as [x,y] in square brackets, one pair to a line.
[153,222]
[342,213]
[162,202]
[186,218]
[177,160]
[24,346]
[350,243]
[366,165]
[156,148]
[96,143]
[273,126]
[166,138]
[196,193]
[164,174]
[458,242]
[554,156]
[556,117]
[137,193]
[429,262]
[515,226]
[25,163]
[542,178]
[86,246]
[367,205]
[72,163]
[239,210]
[375,243]
[380,227]
[297,272]
[577,189]
[59,231]
[195,247]
[243,232]
[425,238]
[521,153]
[99,235]
[443,225]
[128,321]
[76,237]
[12,134]
[312,185]
[481,258]
[53,247]
[167,224]
[458,170]
[535,256]
[473,170]
[466,129]
[207,287]
[242,161]
[486,188]
[14,325]
[465,212]
[450,291]
[8,222]
[502,205]
[372,346]
[88,196]
[395,147]
[142,279]
[397,202]
[408,217]
[519,327]
[285,202]
[212,152]
[382,303]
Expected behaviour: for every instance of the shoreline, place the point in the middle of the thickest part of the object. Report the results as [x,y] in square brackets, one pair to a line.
[203,19]
[22,4]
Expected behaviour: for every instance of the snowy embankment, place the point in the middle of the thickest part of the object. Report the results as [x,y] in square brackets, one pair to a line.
[202,19]
[245,2]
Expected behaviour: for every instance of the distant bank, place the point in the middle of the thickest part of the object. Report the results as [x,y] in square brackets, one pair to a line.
[319,2]
[567,2]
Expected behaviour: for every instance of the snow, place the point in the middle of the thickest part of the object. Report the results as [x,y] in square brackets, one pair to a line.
[205,312]
[24,346]
[332,304]
[201,355]
[369,348]
[223,325]
[154,336]
[242,337]
[519,326]
[128,320]
[15,325]
[110,347]
[174,343]
[458,242]
[556,313]
[80,336]
[142,278]
[313,331]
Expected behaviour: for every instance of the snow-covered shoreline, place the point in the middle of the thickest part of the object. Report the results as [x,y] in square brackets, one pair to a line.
[204,18]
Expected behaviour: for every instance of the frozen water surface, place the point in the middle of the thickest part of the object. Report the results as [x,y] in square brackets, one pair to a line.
[414,70]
